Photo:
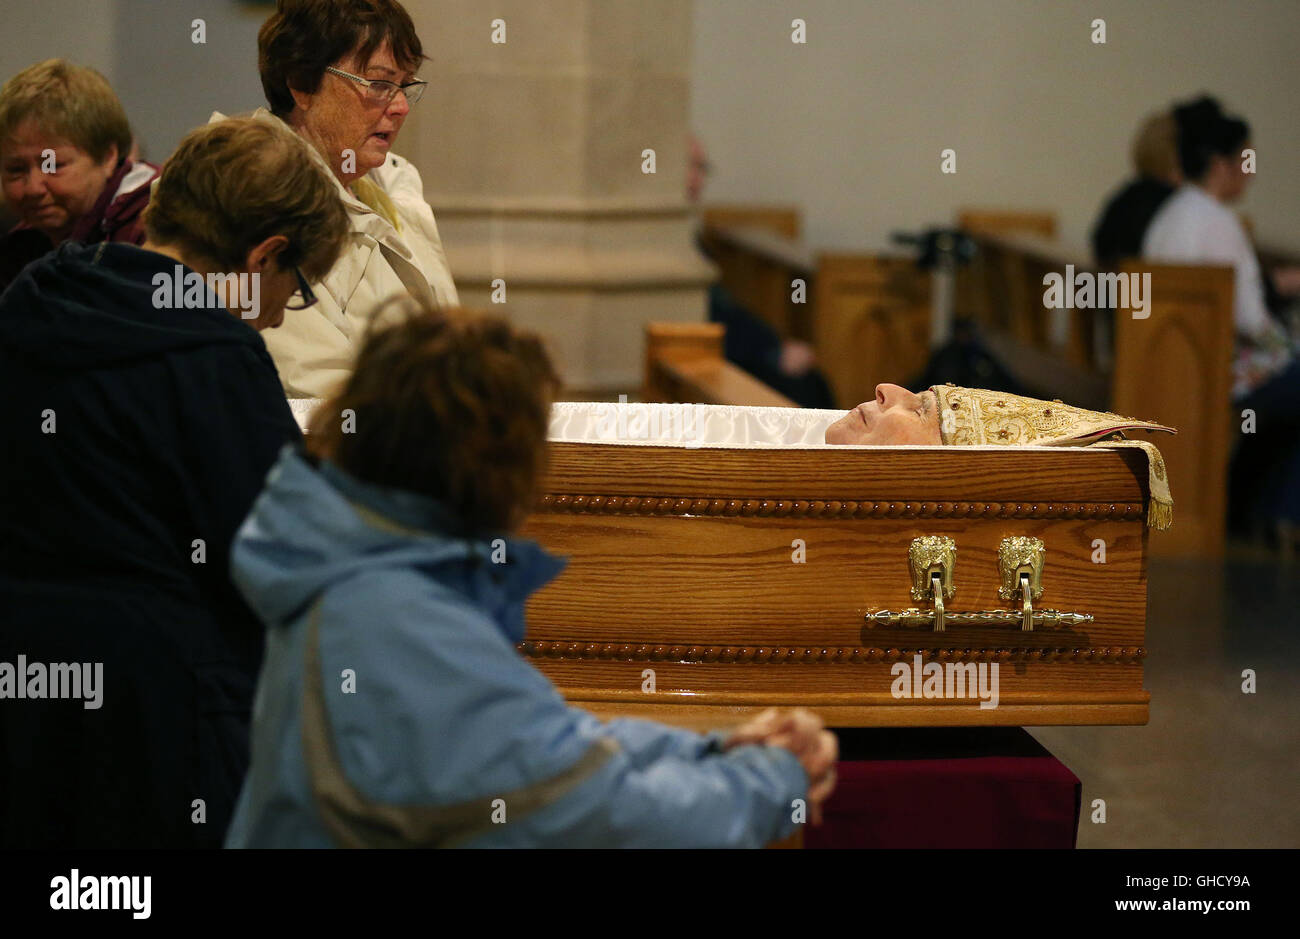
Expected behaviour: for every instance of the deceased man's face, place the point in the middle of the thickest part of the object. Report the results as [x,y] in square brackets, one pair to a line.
[896,417]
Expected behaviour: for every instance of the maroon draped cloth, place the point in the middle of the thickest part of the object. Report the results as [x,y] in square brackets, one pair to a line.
[948,788]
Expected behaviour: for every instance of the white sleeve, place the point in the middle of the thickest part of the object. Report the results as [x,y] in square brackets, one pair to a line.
[1251,315]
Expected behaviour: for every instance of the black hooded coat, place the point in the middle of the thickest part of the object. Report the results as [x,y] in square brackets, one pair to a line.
[134,441]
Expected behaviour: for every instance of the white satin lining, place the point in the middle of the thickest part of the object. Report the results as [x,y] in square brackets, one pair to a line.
[689,425]
[692,426]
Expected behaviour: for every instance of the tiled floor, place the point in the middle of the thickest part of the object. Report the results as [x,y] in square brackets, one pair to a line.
[1215,768]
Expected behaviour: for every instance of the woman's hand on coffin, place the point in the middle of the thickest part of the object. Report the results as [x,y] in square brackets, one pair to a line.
[758,729]
[802,733]
[817,750]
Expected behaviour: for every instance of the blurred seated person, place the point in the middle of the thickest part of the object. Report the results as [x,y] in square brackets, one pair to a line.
[65,164]
[387,552]
[1123,223]
[787,365]
[144,415]
[1196,226]
[1120,231]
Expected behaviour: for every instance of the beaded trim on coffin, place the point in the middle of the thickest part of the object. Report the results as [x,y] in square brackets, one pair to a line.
[829,508]
[629,652]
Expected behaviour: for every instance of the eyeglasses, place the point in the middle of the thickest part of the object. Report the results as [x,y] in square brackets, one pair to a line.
[308,298]
[380,91]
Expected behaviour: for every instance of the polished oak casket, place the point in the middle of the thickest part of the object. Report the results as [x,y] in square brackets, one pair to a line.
[878,586]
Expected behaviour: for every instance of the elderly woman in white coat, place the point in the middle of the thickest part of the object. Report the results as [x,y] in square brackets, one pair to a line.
[342,75]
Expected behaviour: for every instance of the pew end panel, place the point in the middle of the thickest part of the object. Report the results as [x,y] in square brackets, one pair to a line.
[1175,366]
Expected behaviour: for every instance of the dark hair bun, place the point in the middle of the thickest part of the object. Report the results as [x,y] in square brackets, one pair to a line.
[1198,113]
[1205,132]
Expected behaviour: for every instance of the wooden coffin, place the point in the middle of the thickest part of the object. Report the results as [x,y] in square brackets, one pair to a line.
[707,583]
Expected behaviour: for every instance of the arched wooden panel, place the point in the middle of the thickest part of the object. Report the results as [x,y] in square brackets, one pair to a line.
[1175,366]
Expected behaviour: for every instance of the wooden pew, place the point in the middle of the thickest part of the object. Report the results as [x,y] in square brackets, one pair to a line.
[869,321]
[1176,367]
[759,256]
[866,315]
[1007,221]
[684,362]
[872,322]
[1016,247]
[1005,282]
[783,220]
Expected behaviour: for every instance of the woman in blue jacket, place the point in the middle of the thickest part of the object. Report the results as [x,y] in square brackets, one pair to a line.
[393,708]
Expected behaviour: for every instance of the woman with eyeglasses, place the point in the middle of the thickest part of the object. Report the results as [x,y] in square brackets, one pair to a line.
[142,415]
[342,74]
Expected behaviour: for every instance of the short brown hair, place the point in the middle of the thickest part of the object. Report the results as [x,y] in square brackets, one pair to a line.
[70,101]
[232,184]
[453,405]
[304,37]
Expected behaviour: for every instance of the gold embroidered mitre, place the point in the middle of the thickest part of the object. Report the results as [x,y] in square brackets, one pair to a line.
[993,417]
[971,417]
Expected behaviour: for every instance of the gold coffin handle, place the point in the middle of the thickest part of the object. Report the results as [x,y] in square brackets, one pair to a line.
[1020,567]
[932,559]
[1027,606]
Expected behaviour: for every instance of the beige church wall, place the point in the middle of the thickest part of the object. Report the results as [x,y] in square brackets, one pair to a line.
[532,151]
[167,83]
[69,29]
[170,84]
[850,126]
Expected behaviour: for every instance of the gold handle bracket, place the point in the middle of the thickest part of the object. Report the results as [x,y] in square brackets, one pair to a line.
[932,559]
[1020,565]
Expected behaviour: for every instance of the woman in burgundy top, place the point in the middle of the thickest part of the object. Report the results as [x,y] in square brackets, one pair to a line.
[65,166]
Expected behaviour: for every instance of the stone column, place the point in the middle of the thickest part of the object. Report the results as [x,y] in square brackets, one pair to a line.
[531,151]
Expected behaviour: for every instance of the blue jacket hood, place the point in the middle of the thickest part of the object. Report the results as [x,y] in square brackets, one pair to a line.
[315,526]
